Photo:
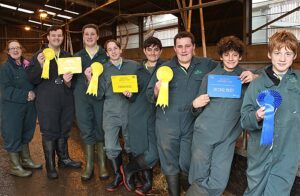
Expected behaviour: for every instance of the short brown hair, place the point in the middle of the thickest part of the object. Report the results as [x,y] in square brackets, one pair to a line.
[152,41]
[112,40]
[282,39]
[92,26]
[54,28]
[184,34]
[229,43]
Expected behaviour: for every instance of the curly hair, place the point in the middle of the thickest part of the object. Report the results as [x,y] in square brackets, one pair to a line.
[230,43]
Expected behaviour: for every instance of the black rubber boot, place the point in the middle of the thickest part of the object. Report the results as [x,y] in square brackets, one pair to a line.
[16,168]
[64,159]
[89,157]
[184,181]
[130,170]
[173,185]
[138,181]
[26,160]
[148,181]
[49,152]
[118,179]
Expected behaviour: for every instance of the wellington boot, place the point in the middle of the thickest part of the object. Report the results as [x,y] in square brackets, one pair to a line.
[138,181]
[130,170]
[103,172]
[118,179]
[16,168]
[89,157]
[26,160]
[64,159]
[49,152]
[173,185]
[148,181]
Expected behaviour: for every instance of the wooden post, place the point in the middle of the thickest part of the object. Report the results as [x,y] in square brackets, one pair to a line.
[202,30]
[190,17]
[182,15]
[185,14]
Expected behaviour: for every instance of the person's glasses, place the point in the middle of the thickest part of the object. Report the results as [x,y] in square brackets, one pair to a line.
[14,48]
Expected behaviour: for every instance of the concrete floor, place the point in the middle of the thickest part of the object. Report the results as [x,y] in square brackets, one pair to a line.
[68,183]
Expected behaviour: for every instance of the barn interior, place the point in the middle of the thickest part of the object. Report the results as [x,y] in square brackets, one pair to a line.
[131,21]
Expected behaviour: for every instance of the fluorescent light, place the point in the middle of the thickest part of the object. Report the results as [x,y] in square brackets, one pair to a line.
[57,20]
[76,13]
[48,12]
[46,24]
[33,21]
[53,7]
[8,6]
[64,16]
[25,11]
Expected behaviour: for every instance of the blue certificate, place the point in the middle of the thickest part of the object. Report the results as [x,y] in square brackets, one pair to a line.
[224,86]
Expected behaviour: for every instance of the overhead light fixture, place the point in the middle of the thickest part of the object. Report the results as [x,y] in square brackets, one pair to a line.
[48,12]
[43,14]
[27,28]
[33,21]
[25,11]
[46,24]
[8,6]
[71,12]
[64,16]
[53,7]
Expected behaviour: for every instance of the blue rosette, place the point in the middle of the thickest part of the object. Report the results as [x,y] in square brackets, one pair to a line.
[271,100]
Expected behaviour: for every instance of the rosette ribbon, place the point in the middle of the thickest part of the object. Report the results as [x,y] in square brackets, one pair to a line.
[97,69]
[271,100]
[49,55]
[165,74]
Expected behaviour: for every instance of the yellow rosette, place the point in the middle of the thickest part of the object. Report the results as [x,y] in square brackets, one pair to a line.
[97,69]
[165,74]
[49,55]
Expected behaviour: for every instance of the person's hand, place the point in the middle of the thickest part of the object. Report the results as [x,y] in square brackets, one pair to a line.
[247,76]
[88,73]
[201,101]
[67,77]
[31,96]
[260,114]
[41,59]
[127,94]
[157,88]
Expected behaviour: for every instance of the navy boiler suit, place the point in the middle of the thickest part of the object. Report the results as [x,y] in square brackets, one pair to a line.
[54,100]
[19,115]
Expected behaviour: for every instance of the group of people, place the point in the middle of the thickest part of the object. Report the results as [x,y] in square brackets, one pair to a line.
[193,137]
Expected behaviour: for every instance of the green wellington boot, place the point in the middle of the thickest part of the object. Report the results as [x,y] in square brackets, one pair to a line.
[89,156]
[16,168]
[26,160]
[103,172]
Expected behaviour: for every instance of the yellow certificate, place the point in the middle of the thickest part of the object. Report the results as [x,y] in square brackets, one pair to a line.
[123,83]
[69,64]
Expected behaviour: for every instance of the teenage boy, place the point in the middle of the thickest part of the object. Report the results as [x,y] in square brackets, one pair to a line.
[141,123]
[218,126]
[272,168]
